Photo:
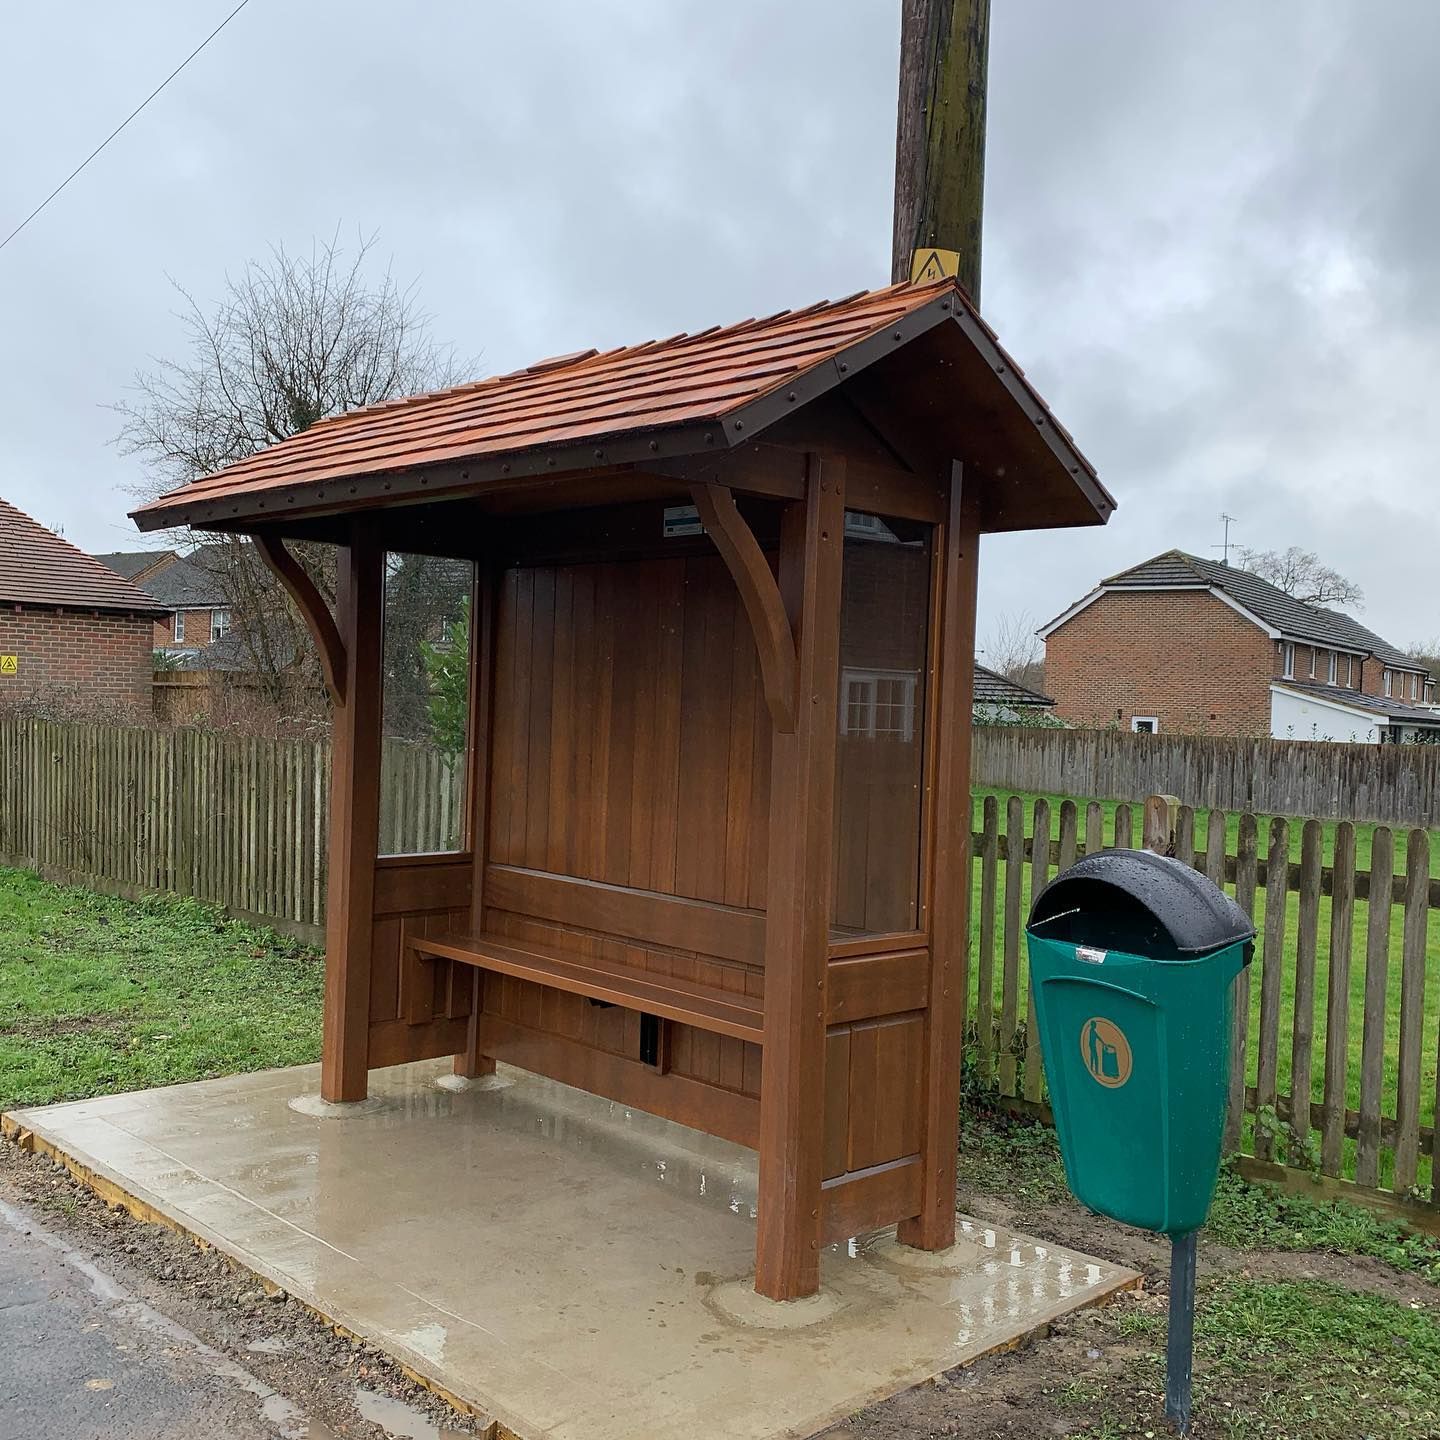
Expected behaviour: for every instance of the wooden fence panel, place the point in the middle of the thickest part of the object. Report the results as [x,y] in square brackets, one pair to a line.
[1010,984]
[1389,784]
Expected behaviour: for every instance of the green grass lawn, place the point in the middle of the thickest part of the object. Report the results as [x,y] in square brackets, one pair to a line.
[1354,1037]
[1281,1351]
[100,994]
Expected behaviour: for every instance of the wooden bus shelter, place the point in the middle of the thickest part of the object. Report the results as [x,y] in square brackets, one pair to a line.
[715,858]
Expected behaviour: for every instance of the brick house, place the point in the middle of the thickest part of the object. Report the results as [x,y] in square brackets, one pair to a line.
[1184,645]
[72,632]
[193,589]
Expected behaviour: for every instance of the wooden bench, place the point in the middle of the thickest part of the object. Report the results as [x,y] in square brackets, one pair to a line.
[722,1012]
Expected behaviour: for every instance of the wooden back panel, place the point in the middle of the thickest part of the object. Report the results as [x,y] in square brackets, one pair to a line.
[631,744]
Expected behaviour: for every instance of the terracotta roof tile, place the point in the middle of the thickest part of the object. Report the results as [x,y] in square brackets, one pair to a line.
[590,396]
[37,567]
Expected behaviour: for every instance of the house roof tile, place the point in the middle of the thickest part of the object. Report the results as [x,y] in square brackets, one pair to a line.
[1377,704]
[992,688]
[131,564]
[1293,618]
[39,568]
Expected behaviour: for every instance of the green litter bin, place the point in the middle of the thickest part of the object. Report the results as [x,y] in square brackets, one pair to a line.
[1133,958]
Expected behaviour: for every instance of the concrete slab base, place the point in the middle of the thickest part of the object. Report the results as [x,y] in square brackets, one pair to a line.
[564,1265]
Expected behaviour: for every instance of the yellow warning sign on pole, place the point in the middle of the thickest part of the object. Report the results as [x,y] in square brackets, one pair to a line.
[9,664]
[929,265]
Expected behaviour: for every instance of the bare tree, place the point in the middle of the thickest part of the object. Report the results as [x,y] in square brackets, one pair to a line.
[1014,650]
[1427,652]
[294,338]
[1299,573]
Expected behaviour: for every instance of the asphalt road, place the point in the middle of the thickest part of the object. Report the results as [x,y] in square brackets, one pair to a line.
[81,1357]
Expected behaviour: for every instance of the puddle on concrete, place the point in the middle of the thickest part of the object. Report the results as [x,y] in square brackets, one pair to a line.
[399,1420]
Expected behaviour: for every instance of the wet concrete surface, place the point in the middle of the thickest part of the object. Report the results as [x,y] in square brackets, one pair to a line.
[573,1267]
[82,1357]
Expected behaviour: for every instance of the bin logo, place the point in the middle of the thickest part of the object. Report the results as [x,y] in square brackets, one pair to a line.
[1106,1052]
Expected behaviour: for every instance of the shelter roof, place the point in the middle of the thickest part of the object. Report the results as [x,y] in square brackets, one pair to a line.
[1380,705]
[689,394]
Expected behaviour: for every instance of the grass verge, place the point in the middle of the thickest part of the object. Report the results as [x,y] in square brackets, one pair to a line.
[100,994]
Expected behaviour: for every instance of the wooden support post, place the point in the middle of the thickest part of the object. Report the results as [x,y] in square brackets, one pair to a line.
[934,1227]
[470,1062]
[797,925]
[354,819]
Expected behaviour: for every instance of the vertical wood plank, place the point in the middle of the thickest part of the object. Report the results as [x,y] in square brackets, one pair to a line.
[1337,999]
[985,987]
[1302,1035]
[1010,981]
[1124,828]
[951,881]
[1412,1008]
[1094,828]
[1246,867]
[797,925]
[1034,1082]
[1272,967]
[1377,974]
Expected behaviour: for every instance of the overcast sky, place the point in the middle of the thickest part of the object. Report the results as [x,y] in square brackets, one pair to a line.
[1212,231]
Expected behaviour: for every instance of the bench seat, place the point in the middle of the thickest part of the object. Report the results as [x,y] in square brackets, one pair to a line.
[724,1012]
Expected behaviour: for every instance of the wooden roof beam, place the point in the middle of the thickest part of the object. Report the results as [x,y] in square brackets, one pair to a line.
[316,613]
[759,593]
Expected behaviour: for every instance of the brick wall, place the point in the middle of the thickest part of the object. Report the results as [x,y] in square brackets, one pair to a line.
[1184,657]
[101,662]
[197,629]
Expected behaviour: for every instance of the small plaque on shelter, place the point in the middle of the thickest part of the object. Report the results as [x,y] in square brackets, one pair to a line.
[682,520]
[9,664]
[932,264]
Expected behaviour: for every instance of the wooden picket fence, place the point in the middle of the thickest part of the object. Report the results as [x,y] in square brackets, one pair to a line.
[1342,1094]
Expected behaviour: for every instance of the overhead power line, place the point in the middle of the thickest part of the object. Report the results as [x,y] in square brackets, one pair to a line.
[123,123]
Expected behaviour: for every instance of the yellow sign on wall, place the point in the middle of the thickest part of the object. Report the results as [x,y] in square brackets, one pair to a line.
[9,664]
[929,265]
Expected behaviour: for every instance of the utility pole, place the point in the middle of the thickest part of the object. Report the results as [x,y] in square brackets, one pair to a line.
[940,141]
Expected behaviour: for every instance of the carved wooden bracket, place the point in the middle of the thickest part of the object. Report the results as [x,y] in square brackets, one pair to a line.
[760,595]
[320,622]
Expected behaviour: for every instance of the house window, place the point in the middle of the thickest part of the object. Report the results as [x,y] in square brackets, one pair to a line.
[1349,672]
[1314,656]
[178,630]
[1144,724]
[879,704]
[1388,682]
[219,623]
[1288,653]
[1334,667]
[1414,687]
[862,526]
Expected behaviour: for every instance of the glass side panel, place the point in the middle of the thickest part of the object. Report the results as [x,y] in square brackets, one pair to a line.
[426,704]
[884,635]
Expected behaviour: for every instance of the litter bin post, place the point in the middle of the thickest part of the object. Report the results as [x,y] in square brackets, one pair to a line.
[1133,957]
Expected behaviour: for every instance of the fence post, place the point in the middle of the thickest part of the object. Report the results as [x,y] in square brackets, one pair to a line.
[1162,814]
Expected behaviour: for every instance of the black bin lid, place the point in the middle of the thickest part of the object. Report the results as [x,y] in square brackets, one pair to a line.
[1140,902]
